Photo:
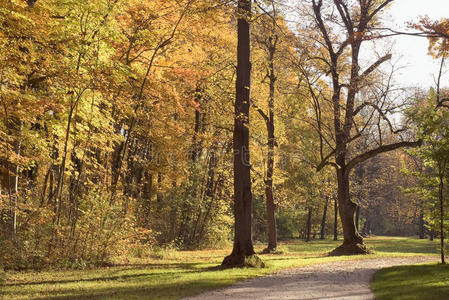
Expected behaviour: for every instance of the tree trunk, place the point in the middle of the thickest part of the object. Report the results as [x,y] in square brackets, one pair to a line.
[421,226]
[366,230]
[441,198]
[309,224]
[14,189]
[335,219]
[323,220]
[12,175]
[272,235]
[272,231]
[357,217]
[159,199]
[243,252]
[353,241]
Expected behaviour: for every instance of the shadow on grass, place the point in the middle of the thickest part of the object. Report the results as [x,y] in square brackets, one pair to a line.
[412,282]
[172,290]
[142,291]
[151,268]
[403,246]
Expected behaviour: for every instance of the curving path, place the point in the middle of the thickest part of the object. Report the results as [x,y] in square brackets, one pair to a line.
[340,280]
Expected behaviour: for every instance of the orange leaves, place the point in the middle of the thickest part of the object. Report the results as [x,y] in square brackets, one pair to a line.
[438,35]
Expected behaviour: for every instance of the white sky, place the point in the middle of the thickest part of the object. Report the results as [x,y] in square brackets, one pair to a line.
[419,68]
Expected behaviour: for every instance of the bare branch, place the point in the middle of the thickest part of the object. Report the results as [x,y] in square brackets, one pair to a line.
[260,111]
[382,149]
[374,66]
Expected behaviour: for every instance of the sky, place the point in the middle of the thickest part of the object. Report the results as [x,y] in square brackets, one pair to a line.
[419,68]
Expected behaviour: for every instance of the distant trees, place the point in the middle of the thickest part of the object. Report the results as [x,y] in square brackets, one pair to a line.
[431,118]
[121,129]
[106,128]
[433,124]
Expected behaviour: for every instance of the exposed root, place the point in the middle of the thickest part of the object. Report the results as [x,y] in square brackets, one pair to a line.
[350,249]
[241,261]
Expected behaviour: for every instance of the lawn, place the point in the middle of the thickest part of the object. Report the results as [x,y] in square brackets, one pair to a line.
[177,274]
[430,281]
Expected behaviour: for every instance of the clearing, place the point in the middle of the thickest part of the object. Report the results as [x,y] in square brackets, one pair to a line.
[176,274]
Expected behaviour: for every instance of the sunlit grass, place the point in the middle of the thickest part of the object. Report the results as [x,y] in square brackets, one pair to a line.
[430,281]
[183,273]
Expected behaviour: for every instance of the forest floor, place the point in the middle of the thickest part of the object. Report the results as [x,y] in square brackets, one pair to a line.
[348,280]
[175,274]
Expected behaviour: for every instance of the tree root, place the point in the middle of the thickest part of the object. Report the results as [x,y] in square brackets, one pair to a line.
[241,261]
[350,249]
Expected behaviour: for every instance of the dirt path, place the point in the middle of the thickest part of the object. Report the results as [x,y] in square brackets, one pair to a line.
[341,280]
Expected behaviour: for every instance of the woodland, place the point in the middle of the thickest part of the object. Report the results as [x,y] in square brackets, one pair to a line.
[130,127]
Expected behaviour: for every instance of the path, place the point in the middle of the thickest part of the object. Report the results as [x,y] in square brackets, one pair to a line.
[341,280]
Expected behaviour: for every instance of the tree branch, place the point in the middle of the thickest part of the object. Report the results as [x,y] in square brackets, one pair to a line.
[261,112]
[374,66]
[382,149]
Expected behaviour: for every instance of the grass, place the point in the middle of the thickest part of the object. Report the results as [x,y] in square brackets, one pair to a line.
[184,273]
[430,281]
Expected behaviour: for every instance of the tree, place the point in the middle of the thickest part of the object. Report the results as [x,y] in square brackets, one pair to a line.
[267,38]
[339,54]
[243,252]
[432,119]
[433,129]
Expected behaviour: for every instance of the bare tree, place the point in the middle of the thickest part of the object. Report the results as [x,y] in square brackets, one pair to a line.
[360,108]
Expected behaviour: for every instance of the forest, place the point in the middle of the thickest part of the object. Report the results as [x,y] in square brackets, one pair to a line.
[130,127]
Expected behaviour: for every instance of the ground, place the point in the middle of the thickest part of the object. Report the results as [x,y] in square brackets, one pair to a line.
[417,282]
[348,280]
[176,274]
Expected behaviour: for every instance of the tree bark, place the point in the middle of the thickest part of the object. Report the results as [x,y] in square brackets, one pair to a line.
[441,198]
[13,188]
[323,220]
[421,226]
[243,251]
[272,234]
[309,224]
[335,219]
[353,241]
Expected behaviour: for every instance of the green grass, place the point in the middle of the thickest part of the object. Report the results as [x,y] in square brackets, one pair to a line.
[430,281]
[183,273]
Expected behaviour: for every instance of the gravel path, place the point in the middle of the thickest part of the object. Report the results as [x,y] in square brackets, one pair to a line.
[340,280]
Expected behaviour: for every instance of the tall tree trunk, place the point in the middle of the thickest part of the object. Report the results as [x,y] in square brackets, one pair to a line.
[271,218]
[441,198]
[335,219]
[13,188]
[243,251]
[323,220]
[309,224]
